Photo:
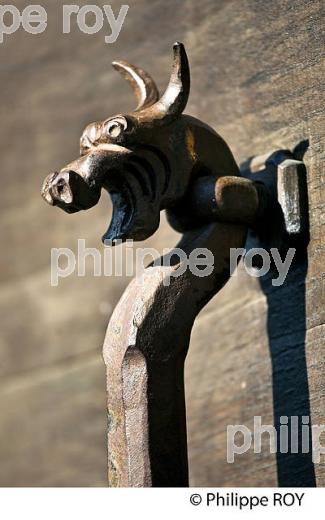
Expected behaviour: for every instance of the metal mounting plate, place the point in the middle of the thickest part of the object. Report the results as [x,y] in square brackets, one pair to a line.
[284,223]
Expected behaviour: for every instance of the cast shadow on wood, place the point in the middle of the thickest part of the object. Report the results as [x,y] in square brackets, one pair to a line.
[286,328]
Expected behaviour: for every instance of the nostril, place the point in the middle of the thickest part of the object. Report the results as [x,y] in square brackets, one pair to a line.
[61,189]
[61,186]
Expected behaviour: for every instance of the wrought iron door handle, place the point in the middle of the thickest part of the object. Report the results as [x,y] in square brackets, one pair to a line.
[156,158]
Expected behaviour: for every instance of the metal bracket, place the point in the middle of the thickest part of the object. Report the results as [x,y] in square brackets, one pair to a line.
[284,221]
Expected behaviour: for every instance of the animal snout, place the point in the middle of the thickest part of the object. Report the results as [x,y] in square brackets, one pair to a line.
[57,189]
[69,191]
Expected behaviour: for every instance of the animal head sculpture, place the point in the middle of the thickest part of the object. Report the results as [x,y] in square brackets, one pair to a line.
[144,159]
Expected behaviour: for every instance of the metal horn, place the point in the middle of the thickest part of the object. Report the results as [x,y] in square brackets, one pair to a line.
[174,100]
[143,85]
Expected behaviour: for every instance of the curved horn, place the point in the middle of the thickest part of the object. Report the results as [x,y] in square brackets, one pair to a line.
[174,100]
[143,85]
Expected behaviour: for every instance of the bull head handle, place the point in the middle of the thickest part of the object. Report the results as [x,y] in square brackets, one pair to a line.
[145,159]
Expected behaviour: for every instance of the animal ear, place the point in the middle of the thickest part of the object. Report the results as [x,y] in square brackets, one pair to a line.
[143,85]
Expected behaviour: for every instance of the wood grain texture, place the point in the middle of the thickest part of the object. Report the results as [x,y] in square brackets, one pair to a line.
[257,78]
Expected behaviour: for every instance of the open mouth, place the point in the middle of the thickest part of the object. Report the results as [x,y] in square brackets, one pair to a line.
[124,209]
[123,212]
[135,216]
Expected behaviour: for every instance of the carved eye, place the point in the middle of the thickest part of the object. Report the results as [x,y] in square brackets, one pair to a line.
[115,127]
